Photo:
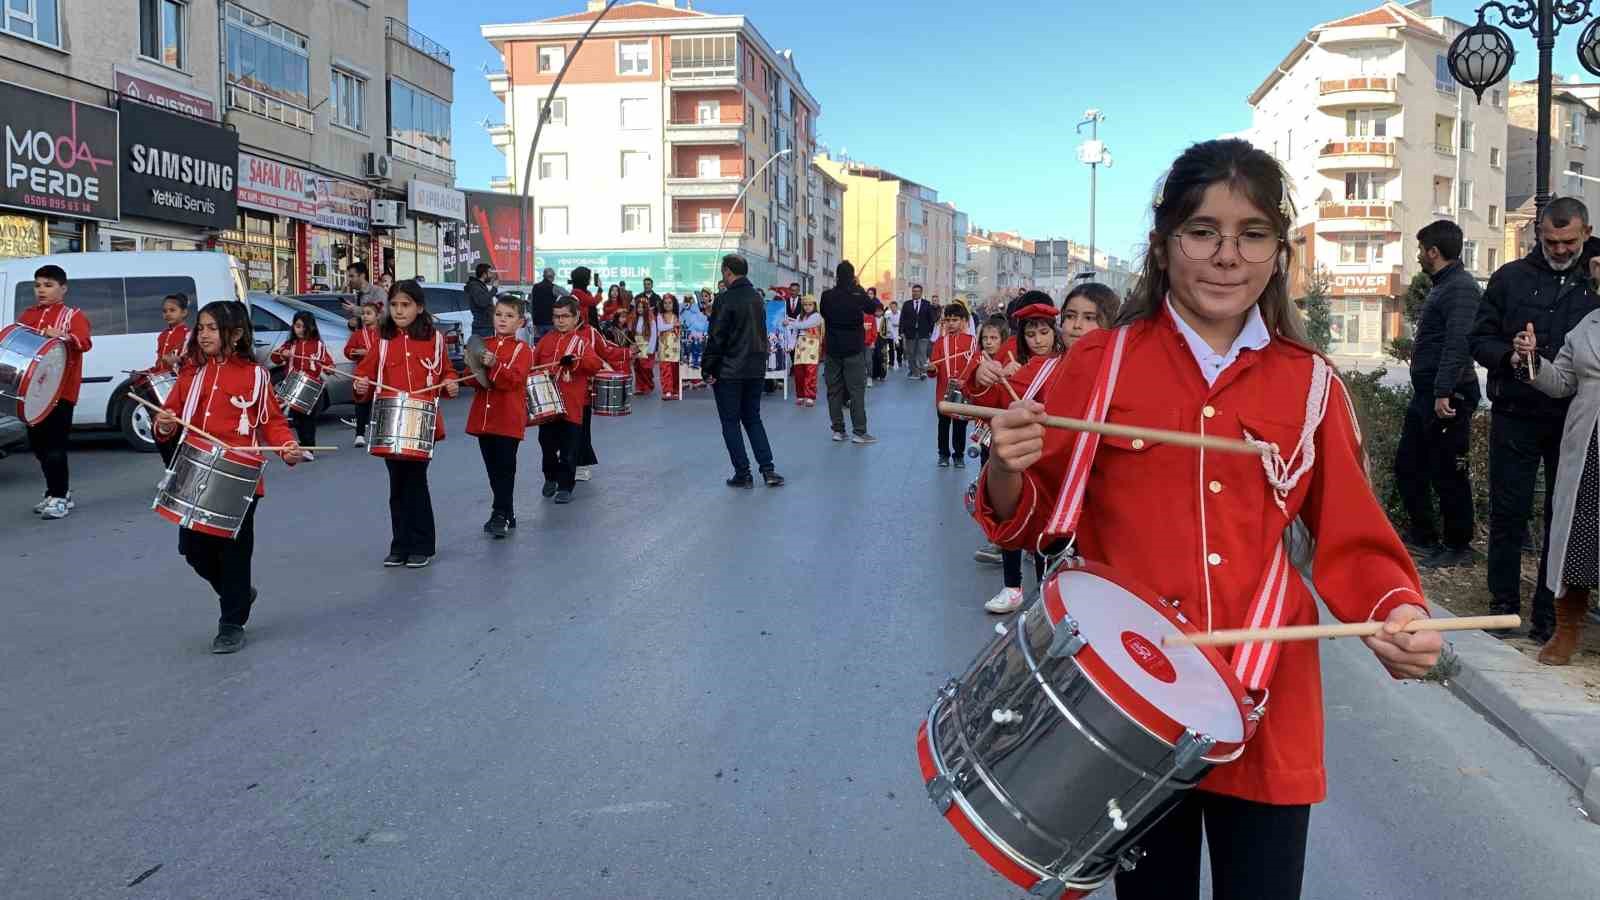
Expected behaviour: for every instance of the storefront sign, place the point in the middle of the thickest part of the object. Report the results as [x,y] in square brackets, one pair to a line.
[491,235]
[165,97]
[273,186]
[343,206]
[178,169]
[1348,285]
[673,271]
[21,236]
[436,200]
[60,155]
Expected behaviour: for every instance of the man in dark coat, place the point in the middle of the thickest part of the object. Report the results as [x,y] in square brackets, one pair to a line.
[844,309]
[734,363]
[918,319]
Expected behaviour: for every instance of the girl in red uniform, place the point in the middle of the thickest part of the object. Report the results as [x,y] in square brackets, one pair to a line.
[173,339]
[362,342]
[1210,342]
[949,356]
[223,392]
[410,356]
[613,356]
[571,350]
[499,414]
[303,351]
[669,346]
[994,342]
[643,331]
[808,330]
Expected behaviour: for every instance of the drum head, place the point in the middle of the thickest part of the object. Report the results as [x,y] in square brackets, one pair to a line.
[1185,684]
[44,382]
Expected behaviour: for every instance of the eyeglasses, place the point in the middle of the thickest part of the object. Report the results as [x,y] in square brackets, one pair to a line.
[1202,242]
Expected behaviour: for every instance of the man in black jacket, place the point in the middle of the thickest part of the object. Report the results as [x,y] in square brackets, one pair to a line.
[649,293]
[1438,427]
[734,363]
[844,309]
[480,302]
[542,305]
[918,319]
[1551,289]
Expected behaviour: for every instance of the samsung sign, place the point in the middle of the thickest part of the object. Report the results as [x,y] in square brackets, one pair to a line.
[178,169]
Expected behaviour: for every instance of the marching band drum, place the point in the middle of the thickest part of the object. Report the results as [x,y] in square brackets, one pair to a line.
[402,427]
[299,392]
[612,393]
[32,366]
[209,487]
[544,400]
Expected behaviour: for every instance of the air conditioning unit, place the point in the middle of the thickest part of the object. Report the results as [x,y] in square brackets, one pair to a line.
[387,213]
[379,165]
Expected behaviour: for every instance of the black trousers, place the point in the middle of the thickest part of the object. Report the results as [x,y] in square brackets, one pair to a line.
[49,442]
[585,452]
[305,427]
[1257,851]
[1011,568]
[1432,460]
[410,508]
[739,406]
[561,443]
[225,565]
[952,428]
[500,461]
[1517,446]
[363,416]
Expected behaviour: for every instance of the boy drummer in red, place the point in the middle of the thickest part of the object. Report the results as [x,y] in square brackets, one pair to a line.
[51,316]
[499,414]
[1211,343]
[571,352]
[950,355]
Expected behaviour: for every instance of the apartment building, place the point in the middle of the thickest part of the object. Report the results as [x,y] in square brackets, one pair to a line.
[896,231]
[1574,148]
[675,134]
[1378,141]
[266,128]
[1059,264]
[963,273]
[1002,262]
[825,243]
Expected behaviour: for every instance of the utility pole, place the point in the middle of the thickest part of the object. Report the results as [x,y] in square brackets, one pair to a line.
[1093,153]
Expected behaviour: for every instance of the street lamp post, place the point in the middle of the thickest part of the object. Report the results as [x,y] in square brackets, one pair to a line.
[1482,55]
[1093,153]
[740,199]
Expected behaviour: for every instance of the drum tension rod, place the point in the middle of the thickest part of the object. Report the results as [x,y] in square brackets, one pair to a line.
[1067,641]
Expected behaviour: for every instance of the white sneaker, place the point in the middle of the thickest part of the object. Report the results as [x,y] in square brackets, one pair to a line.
[39,508]
[361,441]
[583,474]
[310,457]
[1009,600]
[349,422]
[55,508]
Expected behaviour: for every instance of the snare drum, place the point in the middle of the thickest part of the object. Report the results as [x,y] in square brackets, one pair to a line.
[544,400]
[979,440]
[299,392]
[1076,730]
[402,427]
[208,488]
[32,369]
[954,392]
[158,386]
[611,392]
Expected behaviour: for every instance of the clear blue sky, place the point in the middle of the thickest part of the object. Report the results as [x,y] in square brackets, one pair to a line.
[979,100]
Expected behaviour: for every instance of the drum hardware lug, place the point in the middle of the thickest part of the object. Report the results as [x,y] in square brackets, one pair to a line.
[1006,717]
[1129,861]
[1259,707]
[942,793]
[1052,888]
[1067,641]
[1118,823]
[1191,748]
[1000,628]
[949,690]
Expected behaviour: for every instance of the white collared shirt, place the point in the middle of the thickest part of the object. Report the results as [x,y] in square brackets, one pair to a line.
[1253,336]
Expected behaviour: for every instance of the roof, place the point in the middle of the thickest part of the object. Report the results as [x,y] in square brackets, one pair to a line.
[640,10]
[1389,14]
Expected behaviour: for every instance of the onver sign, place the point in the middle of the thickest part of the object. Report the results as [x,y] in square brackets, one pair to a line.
[177,168]
[60,155]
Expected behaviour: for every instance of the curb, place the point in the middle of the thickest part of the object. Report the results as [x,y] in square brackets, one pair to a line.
[1526,700]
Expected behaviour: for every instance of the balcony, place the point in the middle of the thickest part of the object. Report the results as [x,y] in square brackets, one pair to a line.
[693,131]
[694,187]
[1356,216]
[714,74]
[1345,154]
[499,84]
[1445,150]
[502,184]
[396,30]
[1337,94]
[418,60]
[421,157]
[500,134]
[690,236]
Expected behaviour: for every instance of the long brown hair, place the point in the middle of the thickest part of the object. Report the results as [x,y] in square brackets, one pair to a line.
[1258,177]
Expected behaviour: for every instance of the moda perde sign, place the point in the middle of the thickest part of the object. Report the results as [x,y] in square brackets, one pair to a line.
[178,169]
[60,156]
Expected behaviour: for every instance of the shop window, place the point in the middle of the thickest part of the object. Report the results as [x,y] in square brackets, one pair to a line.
[145,296]
[100,299]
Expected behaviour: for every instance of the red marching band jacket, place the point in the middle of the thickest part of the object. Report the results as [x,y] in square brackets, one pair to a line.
[573,383]
[171,340]
[310,356]
[969,384]
[232,401]
[951,354]
[1204,528]
[502,408]
[365,339]
[408,365]
[1021,380]
[59,315]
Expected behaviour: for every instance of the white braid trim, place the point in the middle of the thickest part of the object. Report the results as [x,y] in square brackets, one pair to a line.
[1283,474]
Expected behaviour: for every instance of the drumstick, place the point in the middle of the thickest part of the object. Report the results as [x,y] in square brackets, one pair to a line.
[1352,629]
[216,440]
[284,449]
[1162,435]
[443,384]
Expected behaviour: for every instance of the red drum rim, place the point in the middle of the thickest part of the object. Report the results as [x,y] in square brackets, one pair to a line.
[229,453]
[997,860]
[612,376]
[1132,705]
[399,454]
[26,380]
[549,416]
[195,527]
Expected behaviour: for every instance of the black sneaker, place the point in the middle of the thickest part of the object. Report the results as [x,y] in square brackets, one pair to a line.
[1504,608]
[228,640]
[563,497]
[498,525]
[1418,548]
[418,561]
[393,560]
[959,462]
[549,489]
[944,462]
[773,479]
[741,481]
[1449,558]
[511,523]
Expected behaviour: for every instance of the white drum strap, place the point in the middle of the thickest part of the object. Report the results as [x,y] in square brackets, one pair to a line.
[1041,377]
[435,365]
[383,359]
[192,402]
[1063,520]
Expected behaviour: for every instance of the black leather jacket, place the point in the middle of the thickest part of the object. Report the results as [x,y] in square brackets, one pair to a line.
[736,344]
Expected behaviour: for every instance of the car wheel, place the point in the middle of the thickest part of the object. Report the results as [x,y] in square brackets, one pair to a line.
[138,429]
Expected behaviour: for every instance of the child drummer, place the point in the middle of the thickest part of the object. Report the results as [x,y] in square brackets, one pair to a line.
[1210,342]
[570,351]
[499,414]
[363,341]
[171,344]
[51,316]
[303,351]
[223,392]
[951,353]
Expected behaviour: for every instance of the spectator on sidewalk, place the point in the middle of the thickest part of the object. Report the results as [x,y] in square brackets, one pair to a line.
[917,321]
[734,363]
[1437,434]
[1549,288]
[542,305]
[843,307]
[480,291]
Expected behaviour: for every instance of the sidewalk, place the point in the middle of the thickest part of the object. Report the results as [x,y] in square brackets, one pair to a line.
[1534,704]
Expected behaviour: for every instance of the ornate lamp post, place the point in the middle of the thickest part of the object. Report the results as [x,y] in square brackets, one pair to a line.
[1481,57]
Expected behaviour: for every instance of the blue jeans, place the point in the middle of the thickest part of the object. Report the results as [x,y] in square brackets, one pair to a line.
[739,403]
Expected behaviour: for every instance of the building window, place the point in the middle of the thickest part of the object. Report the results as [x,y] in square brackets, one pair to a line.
[1469,132]
[161,34]
[1494,216]
[1464,201]
[37,20]
[1469,255]
[555,113]
[710,221]
[1492,259]
[553,220]
[633,57]
[635,219]
[635,163]
[1575,123]
[1494,157]
[269,68]
[552,167]
[635,114]
[704,57]
[348,97]
[1365,123]
[1443,81]
[1495,100]
[419,127]
[552,58]
[1361,250]
[1363,186]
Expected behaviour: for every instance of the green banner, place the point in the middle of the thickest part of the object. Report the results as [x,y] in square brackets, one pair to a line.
[674,271]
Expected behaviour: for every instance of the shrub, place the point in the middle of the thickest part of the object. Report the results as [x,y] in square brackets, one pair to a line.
[1401,349]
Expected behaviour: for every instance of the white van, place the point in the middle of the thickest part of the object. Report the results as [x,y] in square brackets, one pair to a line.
[121,293]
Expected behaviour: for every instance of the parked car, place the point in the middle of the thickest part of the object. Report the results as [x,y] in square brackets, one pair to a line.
[13,434]
[121,293]
[447,303]
[271,317]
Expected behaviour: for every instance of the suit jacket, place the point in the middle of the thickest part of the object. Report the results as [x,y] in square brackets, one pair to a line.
[918,319]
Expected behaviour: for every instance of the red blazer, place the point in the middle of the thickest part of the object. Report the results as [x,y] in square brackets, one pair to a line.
[997,395]
[953,352]
[587,306]
[1004,357]
[172,340]
[309,356]
[232,401]
[574,382]
[78,341]
[502,408]
[409,365]
[362,339]
[613,355]
[869,327]
[1203,528]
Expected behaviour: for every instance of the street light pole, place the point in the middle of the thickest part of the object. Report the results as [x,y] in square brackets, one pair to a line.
[742,191]
[1094,154]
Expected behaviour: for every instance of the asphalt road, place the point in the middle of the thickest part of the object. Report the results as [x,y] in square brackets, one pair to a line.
[666,689]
